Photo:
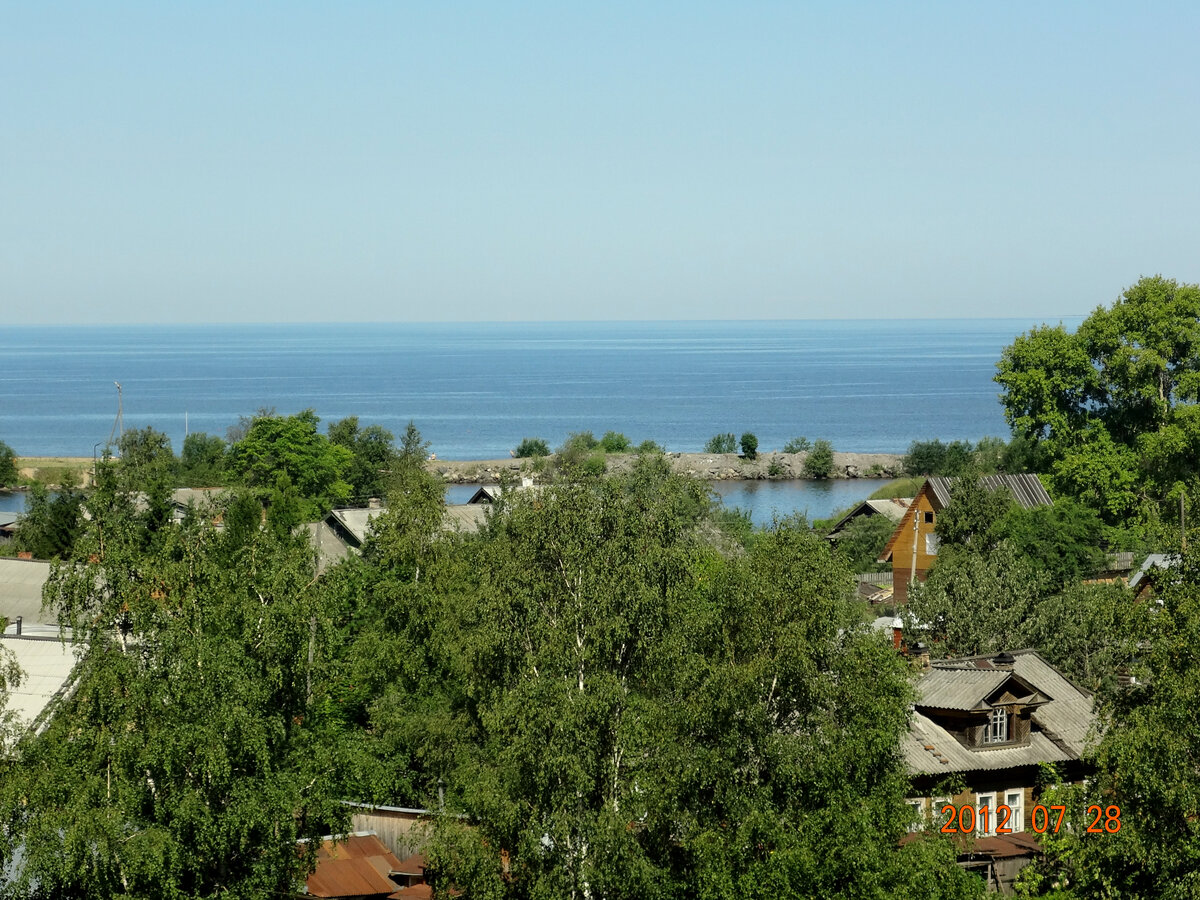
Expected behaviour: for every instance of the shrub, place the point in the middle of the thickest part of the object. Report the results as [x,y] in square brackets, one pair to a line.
[721,443]
[797,445]
[615,442]
[749,445]
[775,468]
[579,442]
[649,447]
[819,462]
[531,447]
[594,465]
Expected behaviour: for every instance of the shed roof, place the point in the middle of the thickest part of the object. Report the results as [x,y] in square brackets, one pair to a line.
[891,508]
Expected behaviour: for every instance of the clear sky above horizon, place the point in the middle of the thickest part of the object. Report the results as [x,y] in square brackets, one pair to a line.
[228,162]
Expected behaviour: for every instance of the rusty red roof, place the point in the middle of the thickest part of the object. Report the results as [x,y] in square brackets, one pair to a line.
[353,867]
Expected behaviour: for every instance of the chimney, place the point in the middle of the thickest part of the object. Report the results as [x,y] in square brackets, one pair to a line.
[19,618]
[897,633]
[374,503]
[1004,660]
[920,652]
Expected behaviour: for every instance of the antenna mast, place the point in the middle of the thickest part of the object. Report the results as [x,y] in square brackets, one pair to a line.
[119,425]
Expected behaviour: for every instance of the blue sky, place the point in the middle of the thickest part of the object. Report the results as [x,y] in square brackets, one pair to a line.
[226,162]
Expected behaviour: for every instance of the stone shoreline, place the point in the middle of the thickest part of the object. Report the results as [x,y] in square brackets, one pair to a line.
[706,466]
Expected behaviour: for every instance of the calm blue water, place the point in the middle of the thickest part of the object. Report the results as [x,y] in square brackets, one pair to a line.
[475,390]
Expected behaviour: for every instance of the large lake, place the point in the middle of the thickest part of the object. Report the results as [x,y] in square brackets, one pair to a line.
[475,390]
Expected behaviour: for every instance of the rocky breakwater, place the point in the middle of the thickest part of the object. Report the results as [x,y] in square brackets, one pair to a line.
[706,466]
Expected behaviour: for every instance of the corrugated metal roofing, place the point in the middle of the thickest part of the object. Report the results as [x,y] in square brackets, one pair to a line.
[354,867]
[1027,490]
[1063,725]
[957,689]
[924,731]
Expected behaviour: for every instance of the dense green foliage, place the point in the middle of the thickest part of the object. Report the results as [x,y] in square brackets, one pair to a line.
[1113,407]
[819,461]
[862,541]
[51,524]
[1008,577]
[615,442]
[721,443]
[8,465]
[202,461]
[373,455]
[531,446]
[797,445]
[292,446]
[625,704]
[749,445]
[191,755]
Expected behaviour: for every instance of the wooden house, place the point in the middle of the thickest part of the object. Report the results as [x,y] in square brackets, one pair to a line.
[989,722]
[913,547]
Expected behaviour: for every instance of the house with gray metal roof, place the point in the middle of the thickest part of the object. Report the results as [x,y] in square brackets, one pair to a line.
[986,724]
[913,546]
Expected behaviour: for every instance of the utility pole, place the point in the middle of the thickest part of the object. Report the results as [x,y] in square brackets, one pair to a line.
[912,575]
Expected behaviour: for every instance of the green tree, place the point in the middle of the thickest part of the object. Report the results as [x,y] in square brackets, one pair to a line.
[749,445]
[531,446]
[1063,540]
[721,443]
[974,518]
[818,463]
[975,602]
[797,445]
[189,759]
[51,524]
[8,465]
[1147,761]
[615,442]
[293,445]
[1119,392]
[202,461]
[373,455]
[862,541]
[589,661]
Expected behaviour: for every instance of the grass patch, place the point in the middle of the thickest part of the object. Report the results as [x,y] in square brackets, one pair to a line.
[901,487]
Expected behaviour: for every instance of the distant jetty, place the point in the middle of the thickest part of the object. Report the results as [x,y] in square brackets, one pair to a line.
[706,466]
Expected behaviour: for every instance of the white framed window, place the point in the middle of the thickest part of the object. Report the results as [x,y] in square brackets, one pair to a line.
[917,804]
[997,727]
[1015,800]
[936,804]
[985,814]
[932,542]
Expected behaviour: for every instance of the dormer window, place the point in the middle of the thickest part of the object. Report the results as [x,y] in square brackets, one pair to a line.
[997,728]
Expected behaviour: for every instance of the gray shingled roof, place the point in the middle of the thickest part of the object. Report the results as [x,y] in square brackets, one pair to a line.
[1027,490]
[1062,726]
[924,731]
[957,689]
